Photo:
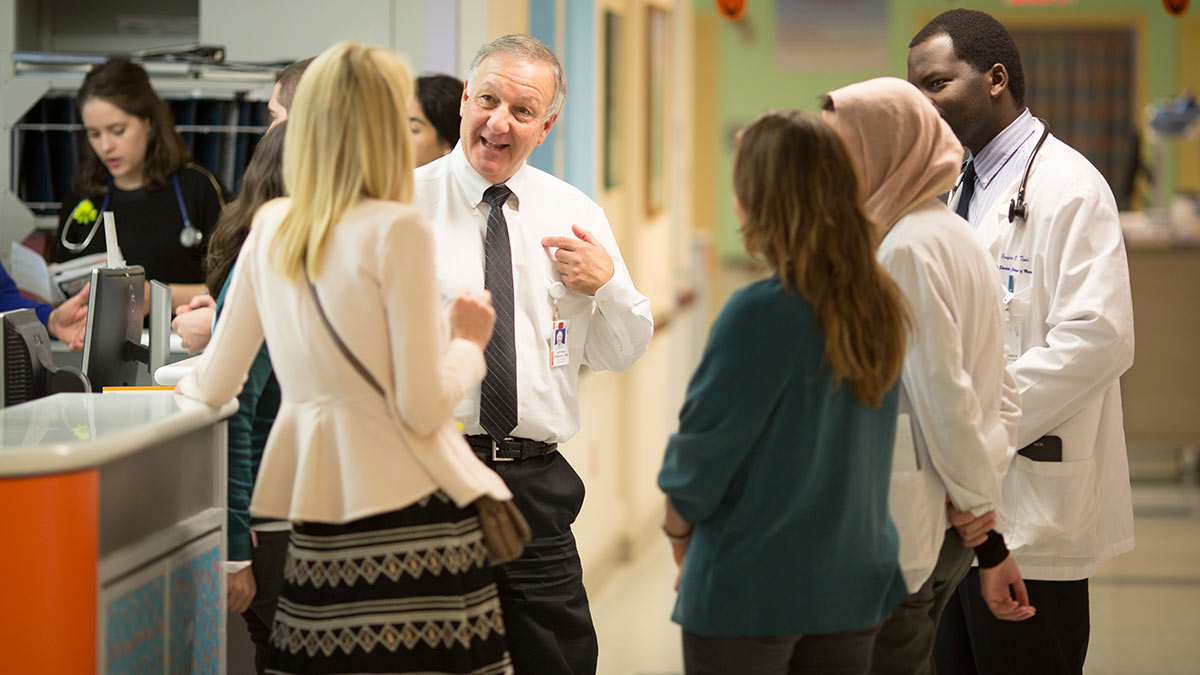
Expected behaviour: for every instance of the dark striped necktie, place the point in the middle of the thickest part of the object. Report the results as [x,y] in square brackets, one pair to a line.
[966,191]
[498,393]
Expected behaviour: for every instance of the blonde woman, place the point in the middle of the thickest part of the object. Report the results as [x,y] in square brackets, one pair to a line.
[386,569]
[777,479]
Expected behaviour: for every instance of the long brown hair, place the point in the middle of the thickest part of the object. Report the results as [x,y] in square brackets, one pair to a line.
[126,85]
[262,182]
[796,186]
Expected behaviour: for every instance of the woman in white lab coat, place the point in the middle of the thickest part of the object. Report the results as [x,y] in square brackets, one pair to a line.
[959,406]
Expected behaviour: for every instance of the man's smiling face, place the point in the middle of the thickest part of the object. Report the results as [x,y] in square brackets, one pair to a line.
[504,114]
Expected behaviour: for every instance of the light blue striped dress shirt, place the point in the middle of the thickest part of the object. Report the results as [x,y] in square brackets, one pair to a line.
[1000,165]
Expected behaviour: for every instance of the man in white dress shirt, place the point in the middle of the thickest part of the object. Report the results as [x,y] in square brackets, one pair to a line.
[546,253]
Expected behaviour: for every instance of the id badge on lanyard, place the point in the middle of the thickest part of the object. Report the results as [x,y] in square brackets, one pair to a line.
[559,353]
[1013,323]
[560,330]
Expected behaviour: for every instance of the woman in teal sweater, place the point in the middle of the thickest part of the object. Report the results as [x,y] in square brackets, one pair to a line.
[777,480]
[256,556]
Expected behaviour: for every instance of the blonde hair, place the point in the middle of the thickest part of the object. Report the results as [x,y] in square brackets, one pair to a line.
[797,188]
[348,139]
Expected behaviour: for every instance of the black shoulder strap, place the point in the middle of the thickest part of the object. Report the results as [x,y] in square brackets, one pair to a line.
[362,370]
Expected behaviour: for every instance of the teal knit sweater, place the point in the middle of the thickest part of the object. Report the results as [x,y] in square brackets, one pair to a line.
[258,404]
[786,480]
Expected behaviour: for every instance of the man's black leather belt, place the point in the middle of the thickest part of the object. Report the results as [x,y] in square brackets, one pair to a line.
[508,449]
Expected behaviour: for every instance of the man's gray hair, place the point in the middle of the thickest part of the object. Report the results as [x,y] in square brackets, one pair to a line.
[529,48]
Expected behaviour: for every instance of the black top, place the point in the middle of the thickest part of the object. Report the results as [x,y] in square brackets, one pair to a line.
[148,226]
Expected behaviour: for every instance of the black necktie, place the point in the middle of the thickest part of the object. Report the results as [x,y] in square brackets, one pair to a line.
[498,393]
[965,192]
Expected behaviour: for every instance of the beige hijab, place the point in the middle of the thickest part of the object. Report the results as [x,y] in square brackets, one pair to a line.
[903,152]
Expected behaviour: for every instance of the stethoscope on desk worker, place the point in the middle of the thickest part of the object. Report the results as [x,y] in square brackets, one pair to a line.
[1018,207]
[189,236]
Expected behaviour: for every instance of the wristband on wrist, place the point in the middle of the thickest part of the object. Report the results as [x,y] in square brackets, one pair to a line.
[992,551]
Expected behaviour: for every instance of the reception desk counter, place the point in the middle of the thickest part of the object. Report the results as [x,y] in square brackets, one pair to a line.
[112,524]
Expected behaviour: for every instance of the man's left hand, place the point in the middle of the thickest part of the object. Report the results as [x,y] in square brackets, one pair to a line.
[583,264]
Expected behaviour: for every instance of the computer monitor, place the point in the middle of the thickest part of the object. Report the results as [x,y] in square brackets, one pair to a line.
[29,371]
[160,326]
[112,345]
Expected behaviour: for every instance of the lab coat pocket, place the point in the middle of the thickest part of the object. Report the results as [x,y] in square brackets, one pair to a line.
[1053,506]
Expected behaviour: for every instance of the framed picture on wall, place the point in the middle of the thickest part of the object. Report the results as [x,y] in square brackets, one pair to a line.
[813,34]
[1081,79]
[657,54]
[613,158]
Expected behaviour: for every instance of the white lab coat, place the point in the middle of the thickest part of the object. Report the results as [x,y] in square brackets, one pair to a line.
[959,404]
[1072,302]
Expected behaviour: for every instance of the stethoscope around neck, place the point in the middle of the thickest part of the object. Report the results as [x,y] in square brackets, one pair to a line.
[189,236]
[1018,207]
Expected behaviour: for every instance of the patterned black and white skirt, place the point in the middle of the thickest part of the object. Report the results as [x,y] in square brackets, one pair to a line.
[408,591]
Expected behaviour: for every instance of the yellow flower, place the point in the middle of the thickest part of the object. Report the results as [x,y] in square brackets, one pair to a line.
[85,213]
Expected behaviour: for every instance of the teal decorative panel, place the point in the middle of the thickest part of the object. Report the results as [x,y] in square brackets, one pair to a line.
[135,623]
[195,623]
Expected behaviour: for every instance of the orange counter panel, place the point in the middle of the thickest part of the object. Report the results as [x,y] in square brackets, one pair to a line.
[49,526]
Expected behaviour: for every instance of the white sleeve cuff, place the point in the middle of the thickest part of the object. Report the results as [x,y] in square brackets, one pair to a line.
[617,292]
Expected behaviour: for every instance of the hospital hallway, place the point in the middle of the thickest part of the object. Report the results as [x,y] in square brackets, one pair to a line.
[1144,603]
[125,517]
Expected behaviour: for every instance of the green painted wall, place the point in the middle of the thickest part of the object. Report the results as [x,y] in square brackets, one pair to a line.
[750,81]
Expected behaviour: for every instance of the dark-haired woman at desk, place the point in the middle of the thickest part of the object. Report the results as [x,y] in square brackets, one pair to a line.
[138,168]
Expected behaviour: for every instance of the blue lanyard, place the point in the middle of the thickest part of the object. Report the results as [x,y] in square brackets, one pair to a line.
[187,222]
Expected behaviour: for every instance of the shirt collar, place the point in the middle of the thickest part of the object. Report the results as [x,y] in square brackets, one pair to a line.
[1001,149]
[473,185]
